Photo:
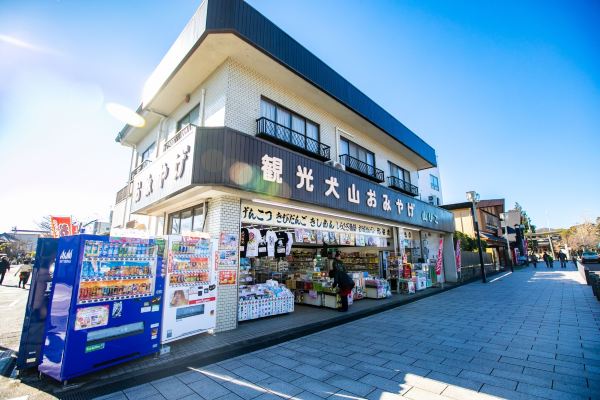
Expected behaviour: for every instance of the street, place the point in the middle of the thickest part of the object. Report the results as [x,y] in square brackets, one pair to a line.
[527,335]
[12,308]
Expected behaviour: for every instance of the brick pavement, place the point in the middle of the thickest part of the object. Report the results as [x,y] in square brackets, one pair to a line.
[530,335]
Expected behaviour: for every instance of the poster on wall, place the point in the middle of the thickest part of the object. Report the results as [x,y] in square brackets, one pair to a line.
[438,264]
[227,277]
[227,258]
[228,241]
[91,317]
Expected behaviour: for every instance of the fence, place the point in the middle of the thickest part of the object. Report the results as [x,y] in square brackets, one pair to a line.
[471,268]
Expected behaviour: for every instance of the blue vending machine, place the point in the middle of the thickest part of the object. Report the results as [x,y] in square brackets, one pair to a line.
[105,304]
[34,324]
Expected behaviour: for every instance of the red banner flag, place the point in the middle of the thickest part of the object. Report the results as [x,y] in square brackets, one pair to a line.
[458,256]
[438,264]
[61,226]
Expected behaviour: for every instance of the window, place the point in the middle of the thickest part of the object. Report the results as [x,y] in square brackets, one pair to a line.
[288,119]
[356,151]
[399,172]
[188,220]
[435,183]
[147,154]
[193,117]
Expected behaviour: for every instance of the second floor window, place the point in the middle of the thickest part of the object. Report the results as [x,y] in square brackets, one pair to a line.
[193,117]
[189,220]
[356,151]
[399,172]
[149,152]
[288,119]
[435,182]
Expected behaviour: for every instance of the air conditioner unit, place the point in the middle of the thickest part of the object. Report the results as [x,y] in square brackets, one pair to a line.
[336,164]
[434,200]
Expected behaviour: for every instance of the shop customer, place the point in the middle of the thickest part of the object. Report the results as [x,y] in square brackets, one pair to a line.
[4,266]
[342,281]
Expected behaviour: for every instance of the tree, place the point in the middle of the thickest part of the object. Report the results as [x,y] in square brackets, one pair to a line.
[467,243]
[583,236]
[525,219]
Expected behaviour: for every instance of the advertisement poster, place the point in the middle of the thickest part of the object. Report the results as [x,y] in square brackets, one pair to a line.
[227,258]
[228,241]
[458,256]
[91,317]
[438,264]
[180,297]
[61,226]
[227,277]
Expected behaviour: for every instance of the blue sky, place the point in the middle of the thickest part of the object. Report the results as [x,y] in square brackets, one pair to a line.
[508,93]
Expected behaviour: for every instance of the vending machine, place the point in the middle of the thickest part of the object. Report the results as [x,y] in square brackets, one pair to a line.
[34,324]
[190,304]
[105,304]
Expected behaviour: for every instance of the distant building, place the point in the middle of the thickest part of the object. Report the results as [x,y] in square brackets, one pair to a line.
[488,215]
[23,241]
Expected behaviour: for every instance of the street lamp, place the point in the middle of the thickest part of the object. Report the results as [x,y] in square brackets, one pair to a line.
[504,224]
[473,197]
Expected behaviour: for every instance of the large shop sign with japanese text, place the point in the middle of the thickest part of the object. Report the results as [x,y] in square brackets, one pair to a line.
[289,218]
[169,173]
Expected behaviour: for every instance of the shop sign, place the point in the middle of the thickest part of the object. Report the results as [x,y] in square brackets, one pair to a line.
[169,173]
[273,216]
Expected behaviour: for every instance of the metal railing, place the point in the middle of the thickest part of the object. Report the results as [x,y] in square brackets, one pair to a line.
[177,137]
[123,193]
[401,184]
[296,140]
[140,167]
[362,168]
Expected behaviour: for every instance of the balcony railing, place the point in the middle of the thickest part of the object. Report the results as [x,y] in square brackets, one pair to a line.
[123,193]
[181,133]
[140,167]
[362,168]
[281,134]
[403,186]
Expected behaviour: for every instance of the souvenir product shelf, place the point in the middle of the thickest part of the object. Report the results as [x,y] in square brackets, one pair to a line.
[264,300]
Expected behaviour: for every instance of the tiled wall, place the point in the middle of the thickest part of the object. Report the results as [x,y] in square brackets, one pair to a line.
[223,215]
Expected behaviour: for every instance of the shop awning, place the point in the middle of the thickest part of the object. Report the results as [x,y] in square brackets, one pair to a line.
[493,240]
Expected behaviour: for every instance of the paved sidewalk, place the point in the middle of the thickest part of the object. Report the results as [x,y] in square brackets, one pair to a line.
[528,335]
[12,310]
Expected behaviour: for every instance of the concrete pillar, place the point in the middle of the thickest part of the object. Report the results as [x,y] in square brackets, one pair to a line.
[449,258]
[223,215]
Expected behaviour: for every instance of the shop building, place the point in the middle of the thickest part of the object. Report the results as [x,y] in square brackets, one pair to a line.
[248,133]
[490,229]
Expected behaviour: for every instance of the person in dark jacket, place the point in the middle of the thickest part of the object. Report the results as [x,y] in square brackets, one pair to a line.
[4,266]
[342,281]
[546,258]
[562,256]
[534,260]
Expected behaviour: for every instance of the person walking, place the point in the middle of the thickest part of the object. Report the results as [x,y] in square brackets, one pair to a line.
[551,260]
[24,271]
[4,266]
[562,256]
[546,258]
[342,281]
[534,260]
[574,259]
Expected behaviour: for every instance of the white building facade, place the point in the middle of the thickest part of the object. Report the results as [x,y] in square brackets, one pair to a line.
[239,117]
